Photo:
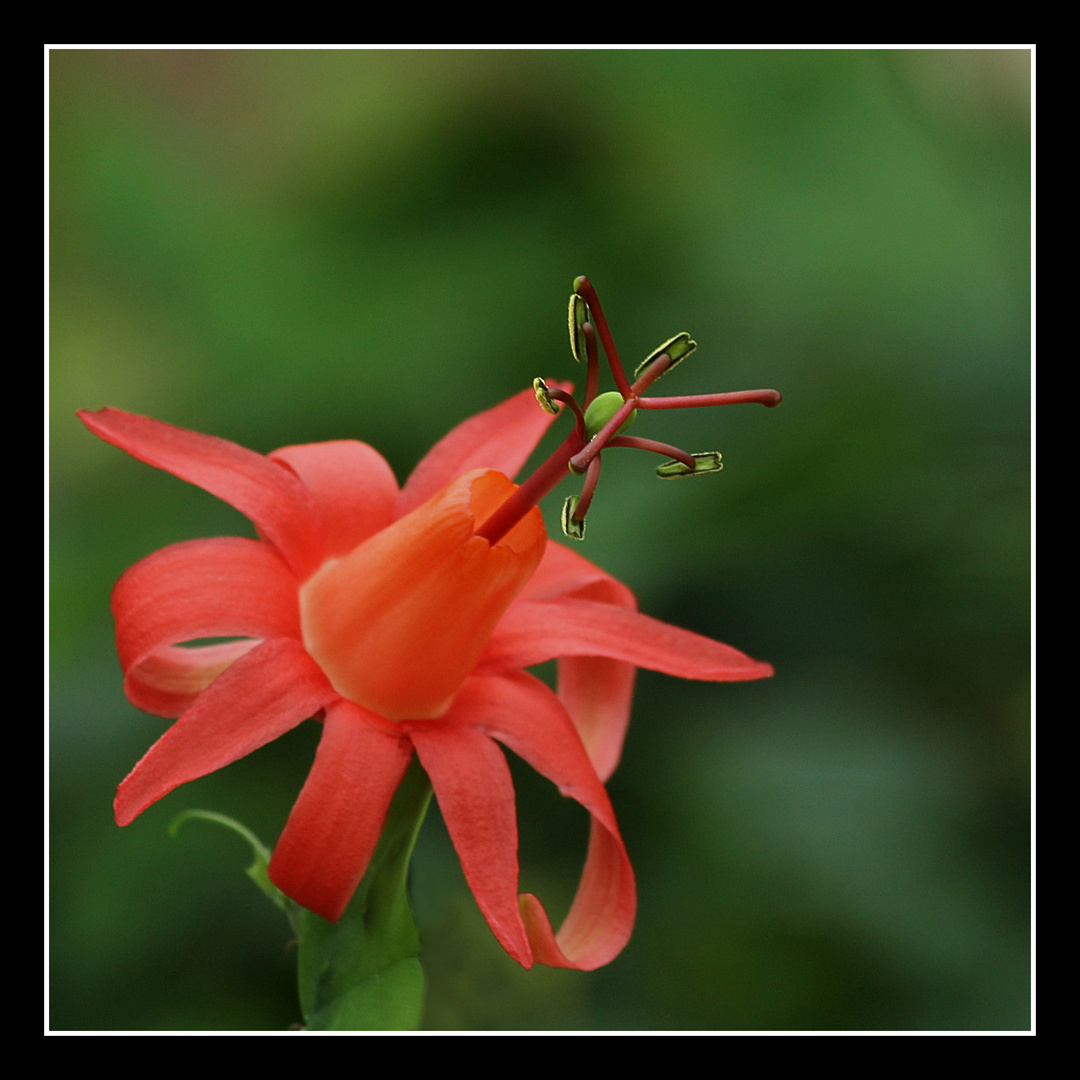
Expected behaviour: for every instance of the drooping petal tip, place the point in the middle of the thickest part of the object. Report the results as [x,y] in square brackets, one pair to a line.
[475,794]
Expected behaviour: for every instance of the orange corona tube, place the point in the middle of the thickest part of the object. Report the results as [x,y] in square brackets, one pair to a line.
[400,621]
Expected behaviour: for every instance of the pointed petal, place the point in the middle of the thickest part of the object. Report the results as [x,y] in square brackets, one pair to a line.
[525,715]
[262,695]
[334,827]
[531,633]
[596,691]
[221,587]
[472,783]
[353,485]
[271,496]
[501,438]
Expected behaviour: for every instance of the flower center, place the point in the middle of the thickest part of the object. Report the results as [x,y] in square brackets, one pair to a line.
[399,622]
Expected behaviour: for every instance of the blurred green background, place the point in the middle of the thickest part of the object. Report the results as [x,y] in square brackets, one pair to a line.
[280,247]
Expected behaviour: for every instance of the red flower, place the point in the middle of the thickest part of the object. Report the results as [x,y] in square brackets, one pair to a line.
[380,611]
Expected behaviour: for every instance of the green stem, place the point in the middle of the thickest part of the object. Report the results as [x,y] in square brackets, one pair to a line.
[363,972]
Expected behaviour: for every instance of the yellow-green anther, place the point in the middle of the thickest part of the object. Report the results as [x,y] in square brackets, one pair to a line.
[703,463]
[574,529]
[678,348]
[602,409]
[578,314]
[544,398]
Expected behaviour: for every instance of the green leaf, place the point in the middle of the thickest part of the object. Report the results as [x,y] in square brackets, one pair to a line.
[363,972]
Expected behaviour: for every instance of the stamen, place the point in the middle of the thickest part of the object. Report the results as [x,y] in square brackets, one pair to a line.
[575,508]
[568,399]
[678,349]
[660,366]
[588,489]
[577,317]
[702,464]
[769,398]
[666,449]
[604,416]
[592,377]
[571,527]
[544,398]
[584,289]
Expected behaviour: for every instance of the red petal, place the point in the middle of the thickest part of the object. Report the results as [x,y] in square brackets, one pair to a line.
[282,509]
[335,825]
[222,587]
[169,680]
[261,696]
[353,485]
[563,573]
[476,796]
[596,691]
[531,633]
[602,918]
[501,438]
[521,712]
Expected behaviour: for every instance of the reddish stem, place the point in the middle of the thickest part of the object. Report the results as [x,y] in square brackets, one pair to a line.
[768,398]
[636,443]
[592,378]
[583,287]
[588,489]
[568,399]
[652,373]
[531,491]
